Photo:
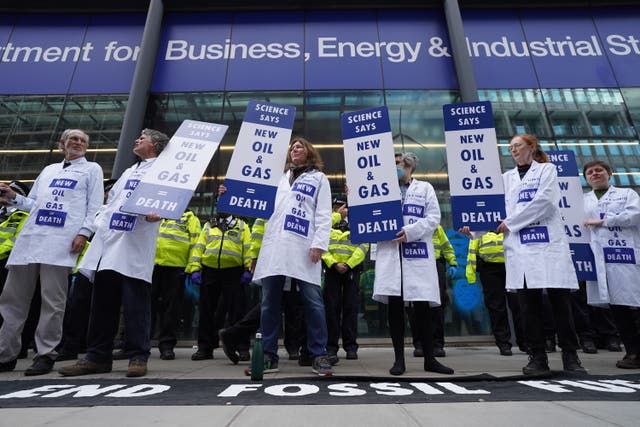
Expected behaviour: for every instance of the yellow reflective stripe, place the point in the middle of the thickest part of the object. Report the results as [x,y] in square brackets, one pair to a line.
[174,226]
[231,253]
[174,237]
[341,251]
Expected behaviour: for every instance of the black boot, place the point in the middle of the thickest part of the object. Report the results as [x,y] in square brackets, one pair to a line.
[571,362]
[398,367]
[432,365]
[538,364]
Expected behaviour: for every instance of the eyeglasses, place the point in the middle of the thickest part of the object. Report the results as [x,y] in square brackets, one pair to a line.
[517,145]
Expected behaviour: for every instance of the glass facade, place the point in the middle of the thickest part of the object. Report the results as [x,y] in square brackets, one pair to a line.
[30,127]
[597,123]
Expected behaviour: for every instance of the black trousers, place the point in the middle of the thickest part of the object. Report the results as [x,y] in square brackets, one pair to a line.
[532,307]
[76,316]
[493,279]
[167,289]
[592,323]
[422,313]
[436,313]
[295,326]
[341,298]
[245,328]
[628,321]
[222,301]
[111,290]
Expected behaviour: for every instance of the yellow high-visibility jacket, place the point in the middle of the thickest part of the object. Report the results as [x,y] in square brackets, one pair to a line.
[9,230]
[489,248]
[443,247]
[257,233]
[342,250]
[218,249]
[177,240]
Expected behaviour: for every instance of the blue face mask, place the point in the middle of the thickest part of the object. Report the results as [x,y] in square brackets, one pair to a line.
[400,172]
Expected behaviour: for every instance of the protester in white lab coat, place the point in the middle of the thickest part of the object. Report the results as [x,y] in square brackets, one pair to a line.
[295,237]
[405,268]
[62,204]
[613,216]
[537,256]
[121,256]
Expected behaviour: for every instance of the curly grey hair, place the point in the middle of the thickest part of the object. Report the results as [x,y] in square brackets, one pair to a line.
[158,137]
[408,159]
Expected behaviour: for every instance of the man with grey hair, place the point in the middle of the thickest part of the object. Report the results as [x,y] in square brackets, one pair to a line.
[62,203]
[121,257]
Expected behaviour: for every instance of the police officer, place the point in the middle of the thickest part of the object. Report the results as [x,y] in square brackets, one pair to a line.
[486,256]
[220,258]
[343,265]
[13,220]
[176,246]
[63,203]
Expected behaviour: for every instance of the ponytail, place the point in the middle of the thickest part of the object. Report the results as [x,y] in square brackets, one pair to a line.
[540,156]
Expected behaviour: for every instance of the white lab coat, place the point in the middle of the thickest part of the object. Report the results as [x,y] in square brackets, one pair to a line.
[619,235]
[67,200]
[126,246]
[301,220]
[533,215]
[416,278]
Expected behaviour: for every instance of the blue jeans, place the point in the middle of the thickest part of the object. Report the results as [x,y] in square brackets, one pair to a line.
[271,316]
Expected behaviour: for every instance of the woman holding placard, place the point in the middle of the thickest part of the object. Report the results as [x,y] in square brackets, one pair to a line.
[295,237]
[537,256]
[405,268]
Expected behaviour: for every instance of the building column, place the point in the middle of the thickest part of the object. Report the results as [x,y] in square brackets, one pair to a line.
[461,58]
[139,94]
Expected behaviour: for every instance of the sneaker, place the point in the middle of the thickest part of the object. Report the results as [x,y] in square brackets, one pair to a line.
[629,361]
[41,365]
[270,366]
[352,355]
[333,359]
[202,355]
[8,366]
[439,352]
[418,352]
[434,366]
[137,368]
[322,366]
[85,367]
[167,354]
[571,362]
[227,347]
[538,364]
